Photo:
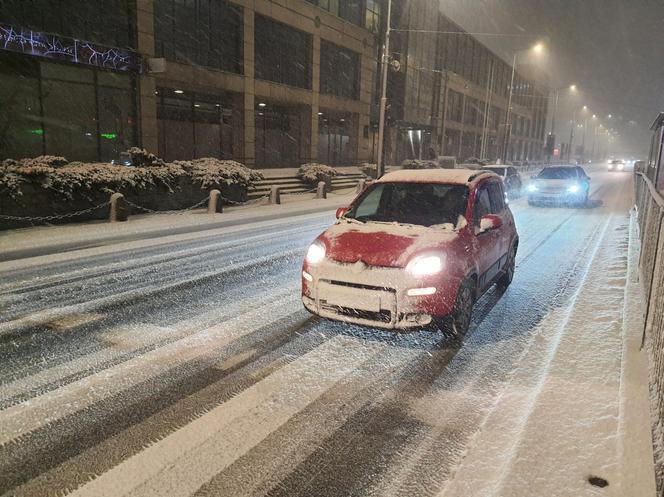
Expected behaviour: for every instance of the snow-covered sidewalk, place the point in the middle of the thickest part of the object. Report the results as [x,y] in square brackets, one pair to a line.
[574,417]
[161,224]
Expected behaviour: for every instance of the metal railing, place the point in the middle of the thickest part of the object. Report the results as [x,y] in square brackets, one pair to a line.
[650,208]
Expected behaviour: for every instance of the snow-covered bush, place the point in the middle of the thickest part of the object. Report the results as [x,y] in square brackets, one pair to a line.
[419,164]
[209,172]
[69,178]
[313,172]
[369,169]
[141,158]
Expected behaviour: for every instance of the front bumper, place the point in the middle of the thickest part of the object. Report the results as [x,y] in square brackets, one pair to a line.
[375,296]
[562,197]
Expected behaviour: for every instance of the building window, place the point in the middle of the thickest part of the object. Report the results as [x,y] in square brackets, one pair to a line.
[455,106]
[372,20]
[339,71]
[108,22]
[350,10]
[37,116]
[279,133]
[202,32]
[192,126]
[334,144]
[283,54]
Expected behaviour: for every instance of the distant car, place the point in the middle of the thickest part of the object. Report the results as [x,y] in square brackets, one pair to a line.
[511,179]
[616,165]
[415,249]
[559,185]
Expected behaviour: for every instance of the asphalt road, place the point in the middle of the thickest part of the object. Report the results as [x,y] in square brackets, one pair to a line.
[190,368]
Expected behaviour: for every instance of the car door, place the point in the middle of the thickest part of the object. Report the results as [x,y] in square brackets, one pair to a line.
[499,208]
[488,247]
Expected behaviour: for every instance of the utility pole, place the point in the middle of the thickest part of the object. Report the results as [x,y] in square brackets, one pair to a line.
[508,116]
[380,163]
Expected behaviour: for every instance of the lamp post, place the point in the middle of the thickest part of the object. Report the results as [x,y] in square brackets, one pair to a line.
[508,118]
[380,164]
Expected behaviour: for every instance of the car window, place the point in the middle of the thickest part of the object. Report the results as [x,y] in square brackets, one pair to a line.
[423,204]
[482,205]
[557,173]
[497,198]
[369,204]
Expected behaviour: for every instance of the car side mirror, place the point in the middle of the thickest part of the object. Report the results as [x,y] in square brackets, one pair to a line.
[341,212]
[490,222]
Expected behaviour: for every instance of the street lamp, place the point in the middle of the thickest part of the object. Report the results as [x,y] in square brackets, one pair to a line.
[383,93]
[538,48]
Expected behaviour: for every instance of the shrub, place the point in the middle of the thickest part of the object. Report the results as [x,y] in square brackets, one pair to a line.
[419,164]
[210,172]
[57,175]
[313,173]
[369,169]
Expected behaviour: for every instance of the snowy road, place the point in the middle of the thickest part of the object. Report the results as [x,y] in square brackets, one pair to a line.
[190,368]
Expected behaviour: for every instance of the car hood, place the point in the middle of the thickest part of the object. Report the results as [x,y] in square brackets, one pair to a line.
[383,244]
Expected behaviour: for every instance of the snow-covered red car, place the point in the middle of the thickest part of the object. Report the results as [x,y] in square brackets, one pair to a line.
[415,249]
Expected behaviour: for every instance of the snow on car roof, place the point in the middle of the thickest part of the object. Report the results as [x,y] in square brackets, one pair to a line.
[453,176]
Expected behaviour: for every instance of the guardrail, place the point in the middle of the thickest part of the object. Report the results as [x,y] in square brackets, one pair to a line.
[650,208]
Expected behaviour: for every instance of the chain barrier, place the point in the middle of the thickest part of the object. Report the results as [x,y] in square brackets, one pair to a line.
[174,212]
[54,217]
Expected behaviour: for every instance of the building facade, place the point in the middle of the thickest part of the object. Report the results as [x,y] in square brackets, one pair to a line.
[268,83]
[450,94]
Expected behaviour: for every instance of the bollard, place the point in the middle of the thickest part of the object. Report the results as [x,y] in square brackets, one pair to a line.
[119,208]
[214,203]
[361,185]
[321,190]
[275,195]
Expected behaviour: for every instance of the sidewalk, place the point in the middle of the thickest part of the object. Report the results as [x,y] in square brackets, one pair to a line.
[573,419]
[44,240]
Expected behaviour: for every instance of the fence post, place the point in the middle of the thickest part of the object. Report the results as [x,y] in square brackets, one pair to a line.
[321,190]
[214,202]
[275,195]
[361,185]
[119,208]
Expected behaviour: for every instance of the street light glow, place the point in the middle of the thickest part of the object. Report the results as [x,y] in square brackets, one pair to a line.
[539,48]
[572,88]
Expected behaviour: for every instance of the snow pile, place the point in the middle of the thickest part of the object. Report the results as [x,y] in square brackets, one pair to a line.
[210,172]
[313,172]
[56,174]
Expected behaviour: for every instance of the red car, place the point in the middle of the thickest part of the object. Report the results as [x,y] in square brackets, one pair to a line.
[416,248]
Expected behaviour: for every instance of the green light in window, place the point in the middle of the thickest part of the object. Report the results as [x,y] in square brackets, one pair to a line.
[109,136]
[37,131]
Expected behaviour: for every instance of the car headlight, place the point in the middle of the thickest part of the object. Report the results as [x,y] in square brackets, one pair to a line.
[316,253]
[426,265]
[532,188]
[621,167]
[573,189]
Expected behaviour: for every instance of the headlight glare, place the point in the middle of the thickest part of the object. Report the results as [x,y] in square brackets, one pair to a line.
[316,253]
[573,189]
[532,188]
[426,265]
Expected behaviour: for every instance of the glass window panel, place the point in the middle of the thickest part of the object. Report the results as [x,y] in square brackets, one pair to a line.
[116,122]
[70,129]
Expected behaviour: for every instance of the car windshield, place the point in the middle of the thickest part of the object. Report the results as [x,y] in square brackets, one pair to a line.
[498,170]
[420,204]
[616,162]
[557,173]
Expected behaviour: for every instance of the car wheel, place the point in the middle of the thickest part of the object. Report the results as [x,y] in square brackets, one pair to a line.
[459,321]
[506,279]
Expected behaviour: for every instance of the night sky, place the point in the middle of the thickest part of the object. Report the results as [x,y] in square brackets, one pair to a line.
[612,49]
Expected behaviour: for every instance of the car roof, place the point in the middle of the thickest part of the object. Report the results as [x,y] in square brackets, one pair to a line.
[445,176]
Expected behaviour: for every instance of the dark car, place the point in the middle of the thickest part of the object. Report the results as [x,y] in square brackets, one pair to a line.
[511,179]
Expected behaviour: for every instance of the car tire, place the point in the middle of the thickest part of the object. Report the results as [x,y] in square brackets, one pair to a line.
[459,321]
[506,279]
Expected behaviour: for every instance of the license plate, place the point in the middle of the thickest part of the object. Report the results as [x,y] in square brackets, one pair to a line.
[351,298]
